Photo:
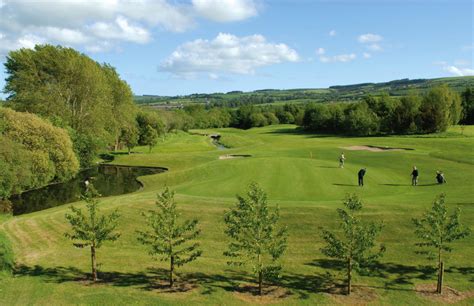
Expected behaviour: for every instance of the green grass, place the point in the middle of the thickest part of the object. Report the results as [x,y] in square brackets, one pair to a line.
[300,173]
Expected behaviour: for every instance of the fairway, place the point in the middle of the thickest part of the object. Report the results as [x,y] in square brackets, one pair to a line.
[300,173]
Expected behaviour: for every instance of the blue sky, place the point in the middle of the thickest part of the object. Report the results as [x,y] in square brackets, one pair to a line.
[169,47]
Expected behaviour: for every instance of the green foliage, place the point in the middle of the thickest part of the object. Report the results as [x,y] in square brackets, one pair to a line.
[468,106]
[129,136]
[168,237]
[7,260]
[33,153]
[150,137]
[354,247]
[440,108]
[91,229]
[73,91]
[146,118]
[437,230]
[255,236]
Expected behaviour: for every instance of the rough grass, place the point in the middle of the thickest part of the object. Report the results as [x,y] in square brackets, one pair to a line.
[300,173]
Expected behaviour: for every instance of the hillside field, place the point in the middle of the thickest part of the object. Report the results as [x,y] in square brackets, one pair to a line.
[300,173]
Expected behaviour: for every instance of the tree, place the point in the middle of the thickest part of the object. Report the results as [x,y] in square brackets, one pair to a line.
[255,235]
[468,106]
[34,144]
[440,108]
[437,230]
[167,237]
[355,244]
[150,137]
[92,229]
[129,136]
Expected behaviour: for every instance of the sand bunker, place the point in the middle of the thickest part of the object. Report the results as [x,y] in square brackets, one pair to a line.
[231,156]
[374,148]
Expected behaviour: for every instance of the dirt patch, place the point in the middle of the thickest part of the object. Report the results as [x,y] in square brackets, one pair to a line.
[375,148]
[449,295]
[232,156]
[271,294]
[360,295]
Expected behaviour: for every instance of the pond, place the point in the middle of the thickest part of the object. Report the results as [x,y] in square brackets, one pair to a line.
[107,179]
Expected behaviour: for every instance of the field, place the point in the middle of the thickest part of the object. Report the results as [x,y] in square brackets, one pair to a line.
[300,173]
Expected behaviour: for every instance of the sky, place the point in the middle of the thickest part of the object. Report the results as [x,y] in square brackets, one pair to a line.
[170,47]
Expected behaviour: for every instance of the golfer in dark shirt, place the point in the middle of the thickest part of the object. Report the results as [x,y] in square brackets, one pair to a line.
[414,176]
[361,176]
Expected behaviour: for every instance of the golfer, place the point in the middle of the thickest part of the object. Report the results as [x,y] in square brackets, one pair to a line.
[414,176]
[360,175]
[342,158]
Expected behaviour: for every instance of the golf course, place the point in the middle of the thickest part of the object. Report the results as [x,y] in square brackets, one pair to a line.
[300,173]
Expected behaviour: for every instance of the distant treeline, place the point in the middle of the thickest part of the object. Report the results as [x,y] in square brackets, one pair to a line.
[432,111]
[340,93]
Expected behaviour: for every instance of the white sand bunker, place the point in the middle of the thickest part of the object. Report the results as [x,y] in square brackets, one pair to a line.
[374,148]
[231,156]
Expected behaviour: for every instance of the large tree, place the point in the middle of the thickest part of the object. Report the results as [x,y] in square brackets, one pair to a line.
[438,230]
[33,144]
[355,244]
[71,90]
[91,229]
[440,108]
[256,236]
[168,237]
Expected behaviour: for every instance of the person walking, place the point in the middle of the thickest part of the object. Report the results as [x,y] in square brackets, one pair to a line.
[414,176]
[342,158]
[360,175]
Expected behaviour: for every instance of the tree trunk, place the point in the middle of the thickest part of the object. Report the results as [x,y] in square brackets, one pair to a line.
[349,276]
[94,263]
[439,288]
[171,271]
[260,283]
[439,285]
[128,150]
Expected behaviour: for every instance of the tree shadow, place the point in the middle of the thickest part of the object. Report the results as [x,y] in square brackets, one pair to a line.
[396,276]
[419,185]
[346,185]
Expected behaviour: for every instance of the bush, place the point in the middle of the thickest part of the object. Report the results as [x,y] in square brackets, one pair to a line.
[7,262]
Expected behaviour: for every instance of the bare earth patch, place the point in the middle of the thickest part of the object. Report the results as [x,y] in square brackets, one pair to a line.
[374,148]
[271,294]
[360,295]
[231,156]
[449,295]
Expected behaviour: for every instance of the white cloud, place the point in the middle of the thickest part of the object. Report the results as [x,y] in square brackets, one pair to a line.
[458,71]
[320,51]
[121,29]
[341,58]
[99,25]
[369,38]
[332,33]
[374,47]
[366,55]
[226,53]
[225,10]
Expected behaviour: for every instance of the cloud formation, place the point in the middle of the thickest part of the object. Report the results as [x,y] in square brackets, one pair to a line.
[99,25]
[341,58]
[226,53]
[369,38]
[225,10]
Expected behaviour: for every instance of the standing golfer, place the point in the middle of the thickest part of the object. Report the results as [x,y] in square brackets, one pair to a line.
[360,175]
[342,158]
[414,176]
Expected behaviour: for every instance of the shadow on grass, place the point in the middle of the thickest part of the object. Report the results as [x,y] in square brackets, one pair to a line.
[396,276]
[419,185]
[346,185]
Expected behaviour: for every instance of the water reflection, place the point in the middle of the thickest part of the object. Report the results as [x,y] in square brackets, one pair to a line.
[107,179]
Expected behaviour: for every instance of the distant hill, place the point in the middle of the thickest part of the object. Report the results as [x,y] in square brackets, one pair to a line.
[337,93]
